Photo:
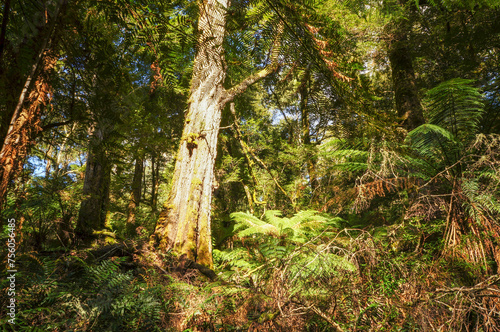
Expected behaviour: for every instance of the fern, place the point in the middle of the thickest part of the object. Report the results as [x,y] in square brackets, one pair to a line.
[462,163]
[457,107]
[294,229]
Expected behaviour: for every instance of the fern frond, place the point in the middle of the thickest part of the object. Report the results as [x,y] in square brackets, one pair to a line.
[456,106]
[433,143]
[297,229]
[247,224]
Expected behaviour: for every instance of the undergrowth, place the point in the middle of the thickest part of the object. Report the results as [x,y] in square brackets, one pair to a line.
[281,275]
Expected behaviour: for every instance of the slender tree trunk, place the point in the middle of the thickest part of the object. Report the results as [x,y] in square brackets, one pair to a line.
[93,209]
[408,105]
[306,134]
[135,195]
[143,189]
[184,222]
[155,176]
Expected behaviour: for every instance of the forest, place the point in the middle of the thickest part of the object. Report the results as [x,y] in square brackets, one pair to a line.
[250,165]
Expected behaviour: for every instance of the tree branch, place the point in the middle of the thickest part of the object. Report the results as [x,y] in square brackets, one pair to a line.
[56,124]
[242,86]
[269,69]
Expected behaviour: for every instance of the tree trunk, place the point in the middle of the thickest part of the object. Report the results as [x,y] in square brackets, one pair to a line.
[155,177]
[406,97]
[306,134]
[3,30]
[135,195]
[92,215]
[184,222]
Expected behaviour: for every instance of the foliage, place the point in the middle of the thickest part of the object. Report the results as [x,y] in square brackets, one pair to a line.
[328,213]
[70,294]
[296,229]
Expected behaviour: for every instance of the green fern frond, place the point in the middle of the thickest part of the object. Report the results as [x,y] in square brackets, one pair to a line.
[296,229]
[247,224]
[432,142]
[456,106]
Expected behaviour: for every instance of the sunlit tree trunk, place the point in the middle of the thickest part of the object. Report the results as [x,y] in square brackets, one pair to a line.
[184,222]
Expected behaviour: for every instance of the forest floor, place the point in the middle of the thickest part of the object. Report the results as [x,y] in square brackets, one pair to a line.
[363,287]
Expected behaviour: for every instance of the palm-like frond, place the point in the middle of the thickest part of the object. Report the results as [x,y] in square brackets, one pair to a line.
[294,229]
[455,109]
[456,106]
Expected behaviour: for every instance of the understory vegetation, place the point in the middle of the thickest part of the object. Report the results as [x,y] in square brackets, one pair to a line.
[276,165]
[308,273]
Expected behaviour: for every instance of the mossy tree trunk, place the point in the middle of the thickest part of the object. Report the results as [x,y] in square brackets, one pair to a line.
[184,222]
[408,105]
[94,206]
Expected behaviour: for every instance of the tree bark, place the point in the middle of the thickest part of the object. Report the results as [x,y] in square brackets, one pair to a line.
[135,195]
[408,105]
[93,209]
[3,30]
[306,134]
[184,222]
[155,178]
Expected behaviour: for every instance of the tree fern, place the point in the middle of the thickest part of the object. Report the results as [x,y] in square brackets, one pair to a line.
[294,229]
[460,164]
[455,109]
[456,106]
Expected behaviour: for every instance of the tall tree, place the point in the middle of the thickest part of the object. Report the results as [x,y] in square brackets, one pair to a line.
[406,98]
[135,195]
[92,215]
[184,222]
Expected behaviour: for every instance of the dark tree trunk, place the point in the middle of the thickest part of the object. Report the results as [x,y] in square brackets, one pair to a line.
[406,97]
[155,176]
[135,195]
[93,209]
[3,30]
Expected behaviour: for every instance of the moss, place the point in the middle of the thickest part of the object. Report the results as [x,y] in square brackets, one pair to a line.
[191,138]
[195,182]
[168,206]
[204,255]
[185,241]
[191,141]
